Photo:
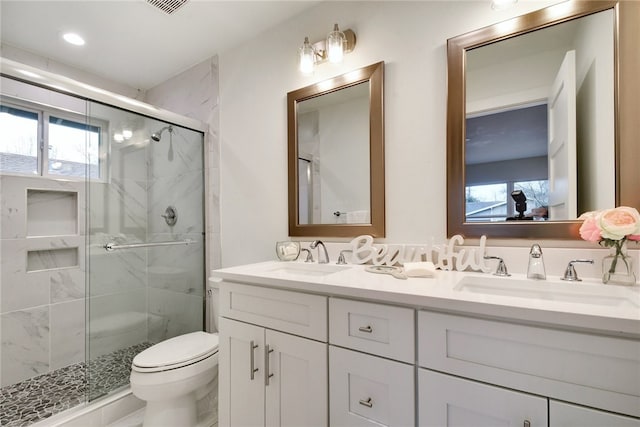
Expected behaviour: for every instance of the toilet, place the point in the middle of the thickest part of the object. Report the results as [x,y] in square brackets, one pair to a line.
[173,375]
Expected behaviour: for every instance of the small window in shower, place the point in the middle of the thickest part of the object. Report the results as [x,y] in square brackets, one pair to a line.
[39,140]
[74,148]
[18,140]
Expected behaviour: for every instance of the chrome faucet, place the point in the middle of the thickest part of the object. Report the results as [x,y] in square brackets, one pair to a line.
[341,258]
[535,269]
[323,256]
[309,257]
[570,274]
[501,269]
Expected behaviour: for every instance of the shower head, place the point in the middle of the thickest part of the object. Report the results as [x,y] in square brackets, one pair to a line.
[156,136]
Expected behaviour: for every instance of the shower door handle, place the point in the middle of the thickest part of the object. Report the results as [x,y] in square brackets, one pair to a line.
[252,360]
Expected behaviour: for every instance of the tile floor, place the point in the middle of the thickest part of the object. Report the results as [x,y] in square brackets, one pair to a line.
[40,397]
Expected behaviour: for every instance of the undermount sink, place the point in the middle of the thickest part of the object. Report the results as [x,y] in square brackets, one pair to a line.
[308,269]
[602,295]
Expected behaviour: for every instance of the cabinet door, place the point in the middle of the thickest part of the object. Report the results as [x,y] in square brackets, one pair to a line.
[241,374]
[367,390]
[566,415]
[296,381]
[445,400]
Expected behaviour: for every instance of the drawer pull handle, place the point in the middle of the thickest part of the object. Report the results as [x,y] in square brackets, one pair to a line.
[368,403]
[527,423]
[267,375]
[368,329]
[252,368]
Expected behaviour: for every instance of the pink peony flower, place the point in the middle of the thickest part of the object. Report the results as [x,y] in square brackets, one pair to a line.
[617,223]
[611,225]
[589,229]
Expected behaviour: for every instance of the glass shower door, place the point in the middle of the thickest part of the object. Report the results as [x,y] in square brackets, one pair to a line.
[145,262]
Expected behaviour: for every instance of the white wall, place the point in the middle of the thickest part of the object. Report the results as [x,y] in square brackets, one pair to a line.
[595,112]
[256,76]
[194,93]
[344,158]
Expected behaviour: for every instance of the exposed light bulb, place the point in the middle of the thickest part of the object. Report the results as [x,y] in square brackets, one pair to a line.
[335,44]
[127,134]
[306,57]
[118,137]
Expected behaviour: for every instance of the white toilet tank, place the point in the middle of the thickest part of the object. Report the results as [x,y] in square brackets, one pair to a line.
[213,304]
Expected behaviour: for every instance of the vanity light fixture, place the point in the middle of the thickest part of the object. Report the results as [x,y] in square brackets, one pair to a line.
[332,49]
[336,41]
[306,57]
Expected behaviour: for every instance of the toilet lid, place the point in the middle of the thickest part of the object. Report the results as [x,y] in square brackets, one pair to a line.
[178,351]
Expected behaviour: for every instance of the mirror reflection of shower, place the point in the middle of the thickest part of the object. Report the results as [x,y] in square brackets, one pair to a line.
[157,136]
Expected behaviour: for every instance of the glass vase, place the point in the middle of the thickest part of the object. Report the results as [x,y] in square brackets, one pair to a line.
[617,267]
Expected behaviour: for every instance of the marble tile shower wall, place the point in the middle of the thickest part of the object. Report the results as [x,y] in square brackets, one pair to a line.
[118,213]
[42,310]
[176,273]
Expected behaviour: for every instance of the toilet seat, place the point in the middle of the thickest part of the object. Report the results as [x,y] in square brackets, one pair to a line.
[176,352]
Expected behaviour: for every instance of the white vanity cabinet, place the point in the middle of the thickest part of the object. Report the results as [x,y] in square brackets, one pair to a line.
[496,358]
[371,364]
[568,415]
[445,400]
[272,377]
[318,354]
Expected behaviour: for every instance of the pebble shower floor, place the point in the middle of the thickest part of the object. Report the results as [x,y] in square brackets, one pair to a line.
[40,397]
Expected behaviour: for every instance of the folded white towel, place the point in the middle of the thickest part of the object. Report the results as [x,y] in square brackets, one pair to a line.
[419,269]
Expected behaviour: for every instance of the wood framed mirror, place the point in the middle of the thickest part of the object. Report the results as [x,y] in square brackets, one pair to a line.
[336,156]
[621,22]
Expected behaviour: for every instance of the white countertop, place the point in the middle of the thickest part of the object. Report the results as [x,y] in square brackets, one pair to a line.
[589,305]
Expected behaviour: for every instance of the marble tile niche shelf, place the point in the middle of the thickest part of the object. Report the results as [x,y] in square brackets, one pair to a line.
[48,259]
[52,213]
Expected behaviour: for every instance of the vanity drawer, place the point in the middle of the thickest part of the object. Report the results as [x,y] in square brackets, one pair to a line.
[598,371]
[292,312]
[366,390]
[379,329]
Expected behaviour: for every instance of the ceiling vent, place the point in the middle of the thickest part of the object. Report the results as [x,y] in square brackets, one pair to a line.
[167,6]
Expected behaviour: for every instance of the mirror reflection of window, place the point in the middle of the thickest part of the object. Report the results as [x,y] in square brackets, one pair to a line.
[491,202]
[506,151]
[510,77]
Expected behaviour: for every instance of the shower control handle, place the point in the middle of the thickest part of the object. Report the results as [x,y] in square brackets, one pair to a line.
[170,216]
[252,360]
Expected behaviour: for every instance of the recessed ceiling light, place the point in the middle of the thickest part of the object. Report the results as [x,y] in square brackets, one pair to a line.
[73,38]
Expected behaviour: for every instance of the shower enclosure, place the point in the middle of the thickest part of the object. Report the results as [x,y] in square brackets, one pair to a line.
[102,245]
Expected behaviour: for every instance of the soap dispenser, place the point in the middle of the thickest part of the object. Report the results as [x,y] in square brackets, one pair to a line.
[535,270]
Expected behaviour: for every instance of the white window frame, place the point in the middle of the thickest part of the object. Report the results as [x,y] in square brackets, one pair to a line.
[44,113]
